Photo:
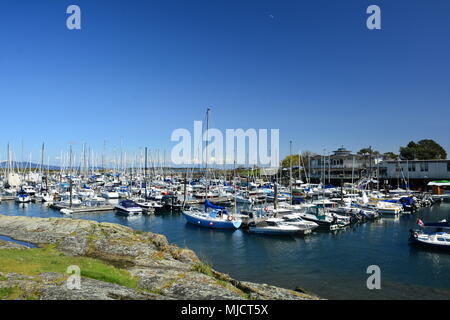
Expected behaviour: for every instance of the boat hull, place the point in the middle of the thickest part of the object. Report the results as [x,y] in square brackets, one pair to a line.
[277,232]
[211,223]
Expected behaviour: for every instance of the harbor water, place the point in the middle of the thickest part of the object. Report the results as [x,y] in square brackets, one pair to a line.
[331,265]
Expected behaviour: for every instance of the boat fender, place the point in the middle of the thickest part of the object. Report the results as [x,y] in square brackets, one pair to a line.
[230,218]
[266,209]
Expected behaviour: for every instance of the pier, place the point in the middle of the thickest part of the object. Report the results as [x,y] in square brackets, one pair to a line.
[83,209]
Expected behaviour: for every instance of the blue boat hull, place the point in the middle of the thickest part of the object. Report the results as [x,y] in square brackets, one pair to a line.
[212,224]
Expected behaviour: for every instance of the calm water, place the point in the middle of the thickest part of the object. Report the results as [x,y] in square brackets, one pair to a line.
[331,265]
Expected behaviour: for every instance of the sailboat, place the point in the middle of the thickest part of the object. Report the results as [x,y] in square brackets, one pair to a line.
[218,218]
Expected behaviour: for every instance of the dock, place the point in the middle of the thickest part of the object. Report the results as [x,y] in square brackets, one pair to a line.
[83,209]
[8,198]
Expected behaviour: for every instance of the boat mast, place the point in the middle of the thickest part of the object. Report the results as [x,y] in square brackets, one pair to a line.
[70,176]
[145,173]
[206,153]
[290,170]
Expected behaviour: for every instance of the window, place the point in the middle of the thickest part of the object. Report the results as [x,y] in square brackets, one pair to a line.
[448,166]
[411,167]
[424,166]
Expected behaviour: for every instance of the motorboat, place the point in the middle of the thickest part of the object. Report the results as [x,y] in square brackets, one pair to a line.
[295,220]
[110,194]
[28,190]
[325,219]
[149,204]
[128,207]
[388,208]
[277,226]
[432,234]
[22,197]
[44,197]
[66,201]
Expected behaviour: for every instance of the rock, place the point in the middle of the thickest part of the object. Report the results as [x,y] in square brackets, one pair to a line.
[162,270]
[11,245]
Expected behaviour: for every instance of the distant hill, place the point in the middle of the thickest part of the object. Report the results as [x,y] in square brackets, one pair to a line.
[25,165]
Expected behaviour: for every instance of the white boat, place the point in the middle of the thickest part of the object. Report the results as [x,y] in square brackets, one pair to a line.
[66,202]
[388,208]
[29,190]
[22,197]
[110,194]
[44,197]
[128,207]
[276,226]
[295,220]
[149,204]
[436,240]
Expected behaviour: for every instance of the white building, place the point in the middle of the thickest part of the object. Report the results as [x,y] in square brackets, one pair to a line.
[415,169]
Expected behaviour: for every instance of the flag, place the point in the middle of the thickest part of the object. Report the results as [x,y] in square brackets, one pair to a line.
[419,222]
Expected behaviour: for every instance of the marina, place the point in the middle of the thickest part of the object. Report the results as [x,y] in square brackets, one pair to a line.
[322,245]
[225,152]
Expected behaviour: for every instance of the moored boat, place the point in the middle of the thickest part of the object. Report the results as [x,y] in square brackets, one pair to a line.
[128,207]
[277,226]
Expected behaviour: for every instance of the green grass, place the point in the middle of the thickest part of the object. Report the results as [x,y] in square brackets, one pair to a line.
[203,268]
[35,261]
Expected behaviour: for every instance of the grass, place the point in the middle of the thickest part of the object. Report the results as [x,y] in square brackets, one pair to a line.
[36,261]
[203,268]
[16,293]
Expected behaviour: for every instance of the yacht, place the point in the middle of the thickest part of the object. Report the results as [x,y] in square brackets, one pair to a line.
[128,207]
[277,226]
[295,220]
[22,197]
[110,194]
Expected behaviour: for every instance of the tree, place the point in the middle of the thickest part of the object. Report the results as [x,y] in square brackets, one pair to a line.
[295,159]
[291,160]
[390,155]
[425,149]
[368,152]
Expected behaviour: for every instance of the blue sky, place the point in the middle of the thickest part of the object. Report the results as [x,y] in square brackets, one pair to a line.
[140,69]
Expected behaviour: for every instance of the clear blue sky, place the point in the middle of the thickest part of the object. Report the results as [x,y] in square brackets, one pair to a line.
[140,69]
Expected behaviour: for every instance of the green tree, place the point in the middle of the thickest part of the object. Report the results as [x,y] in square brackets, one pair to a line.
[295,159]
[368,152]
[390,155]
[425,149]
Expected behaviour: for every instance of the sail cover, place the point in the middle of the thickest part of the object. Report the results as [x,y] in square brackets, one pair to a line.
[213,206]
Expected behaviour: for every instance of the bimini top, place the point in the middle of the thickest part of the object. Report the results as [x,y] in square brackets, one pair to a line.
[128,204]
[441,183]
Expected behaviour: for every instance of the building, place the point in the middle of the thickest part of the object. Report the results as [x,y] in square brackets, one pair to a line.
[416,173]
[342,164]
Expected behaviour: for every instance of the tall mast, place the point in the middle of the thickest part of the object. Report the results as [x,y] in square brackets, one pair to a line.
[290,170]
[145,173]
[206,150]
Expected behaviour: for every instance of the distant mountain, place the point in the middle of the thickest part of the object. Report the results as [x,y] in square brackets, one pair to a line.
[25,165]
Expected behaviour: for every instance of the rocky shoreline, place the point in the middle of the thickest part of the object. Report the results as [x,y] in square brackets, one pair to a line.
[160,270]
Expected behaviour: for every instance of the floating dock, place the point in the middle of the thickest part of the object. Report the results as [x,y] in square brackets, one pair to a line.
[83,209]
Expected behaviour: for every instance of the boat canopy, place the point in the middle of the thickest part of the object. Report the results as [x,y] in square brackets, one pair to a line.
[441,183]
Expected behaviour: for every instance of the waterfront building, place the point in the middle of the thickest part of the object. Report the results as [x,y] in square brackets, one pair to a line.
[414,172]
[342,164]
